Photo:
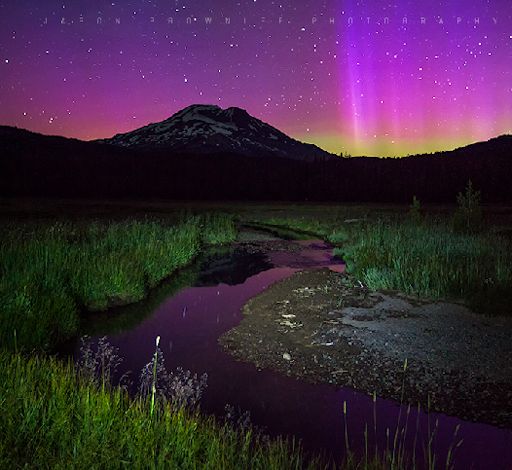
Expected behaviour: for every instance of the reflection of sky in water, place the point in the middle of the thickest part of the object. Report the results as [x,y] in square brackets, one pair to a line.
[190,323]
[314,254]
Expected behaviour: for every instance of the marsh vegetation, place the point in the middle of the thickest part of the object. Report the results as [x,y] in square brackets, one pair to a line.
[53,273]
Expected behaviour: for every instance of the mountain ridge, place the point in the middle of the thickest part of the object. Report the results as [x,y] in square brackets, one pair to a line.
[206,129]
[7,131]
[34,165]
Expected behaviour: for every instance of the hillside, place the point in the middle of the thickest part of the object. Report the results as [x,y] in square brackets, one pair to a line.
[130,166]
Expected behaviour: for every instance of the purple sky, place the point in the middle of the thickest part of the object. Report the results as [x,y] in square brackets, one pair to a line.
[347,75]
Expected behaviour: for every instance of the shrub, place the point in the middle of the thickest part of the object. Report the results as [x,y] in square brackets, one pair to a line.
[468,216]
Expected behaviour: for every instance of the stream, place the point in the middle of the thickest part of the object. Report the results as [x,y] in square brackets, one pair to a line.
[202,302]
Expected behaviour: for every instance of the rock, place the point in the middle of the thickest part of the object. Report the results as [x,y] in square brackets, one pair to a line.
[287,356]
[290,324]
[289,316]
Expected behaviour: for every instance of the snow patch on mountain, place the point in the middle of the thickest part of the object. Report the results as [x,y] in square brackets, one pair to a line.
[211,129]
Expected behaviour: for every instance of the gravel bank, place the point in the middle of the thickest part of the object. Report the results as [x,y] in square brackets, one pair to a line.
[324,326]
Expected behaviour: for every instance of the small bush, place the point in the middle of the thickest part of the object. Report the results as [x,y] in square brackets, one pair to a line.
[468,216]
[180,387]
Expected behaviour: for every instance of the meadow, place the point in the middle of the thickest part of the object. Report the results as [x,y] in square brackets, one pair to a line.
[51,273]
[460,254]
[54,418]
[430,259]
[56,415]
[55,269]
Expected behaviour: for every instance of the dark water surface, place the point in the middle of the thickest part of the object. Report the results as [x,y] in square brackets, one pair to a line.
[193,310]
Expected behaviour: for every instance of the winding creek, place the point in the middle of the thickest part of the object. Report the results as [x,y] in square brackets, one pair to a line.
[204,301]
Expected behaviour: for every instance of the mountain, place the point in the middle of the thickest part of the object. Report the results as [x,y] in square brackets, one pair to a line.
[208,129]
[35,165]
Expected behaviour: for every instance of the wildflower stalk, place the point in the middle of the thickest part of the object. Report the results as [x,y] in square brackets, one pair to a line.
[375,423]
[153,385]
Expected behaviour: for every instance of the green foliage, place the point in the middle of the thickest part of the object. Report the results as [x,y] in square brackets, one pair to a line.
[50,419]
[217,229]
[57,416]
[49,273]
[434,261]
[468,216]
[418,255]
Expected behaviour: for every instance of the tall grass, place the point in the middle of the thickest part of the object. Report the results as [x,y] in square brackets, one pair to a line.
[51,419]
[431,259]
[57,416]
[49,273]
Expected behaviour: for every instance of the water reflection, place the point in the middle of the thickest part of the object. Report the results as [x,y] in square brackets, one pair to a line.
[191,319]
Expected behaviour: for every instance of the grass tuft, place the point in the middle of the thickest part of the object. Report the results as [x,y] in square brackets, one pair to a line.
[433,260]
[425,256]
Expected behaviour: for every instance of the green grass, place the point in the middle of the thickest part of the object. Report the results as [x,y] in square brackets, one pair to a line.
[55,417]
[307,225]
[52,419]
[50,273]
[432,260]
[428,258]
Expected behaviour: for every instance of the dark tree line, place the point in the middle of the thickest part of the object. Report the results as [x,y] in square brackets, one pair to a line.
[32,165]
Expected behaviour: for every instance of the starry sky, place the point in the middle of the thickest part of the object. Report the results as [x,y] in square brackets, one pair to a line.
[384,78]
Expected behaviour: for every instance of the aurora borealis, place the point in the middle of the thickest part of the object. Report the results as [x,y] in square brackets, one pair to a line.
[366,77]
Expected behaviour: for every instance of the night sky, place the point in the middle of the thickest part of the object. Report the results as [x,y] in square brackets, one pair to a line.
[347,75]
